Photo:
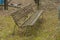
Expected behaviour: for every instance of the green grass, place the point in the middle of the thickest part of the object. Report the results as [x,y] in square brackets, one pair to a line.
[43,29]
[7,26]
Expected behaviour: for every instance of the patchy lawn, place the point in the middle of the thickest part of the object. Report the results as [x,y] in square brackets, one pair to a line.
[46,28]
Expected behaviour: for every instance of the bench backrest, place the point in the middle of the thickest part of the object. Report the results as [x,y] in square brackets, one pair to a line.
[20,16]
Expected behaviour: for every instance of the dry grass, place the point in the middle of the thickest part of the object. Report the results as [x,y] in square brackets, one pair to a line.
[48,29]
[44,29]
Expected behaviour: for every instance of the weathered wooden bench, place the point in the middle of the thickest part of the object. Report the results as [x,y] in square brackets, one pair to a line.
[23,14]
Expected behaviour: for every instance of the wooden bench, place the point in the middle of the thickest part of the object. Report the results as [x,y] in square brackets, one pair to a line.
[21,15]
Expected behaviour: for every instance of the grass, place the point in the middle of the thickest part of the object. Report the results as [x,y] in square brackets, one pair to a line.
[6,25]
[46,28]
